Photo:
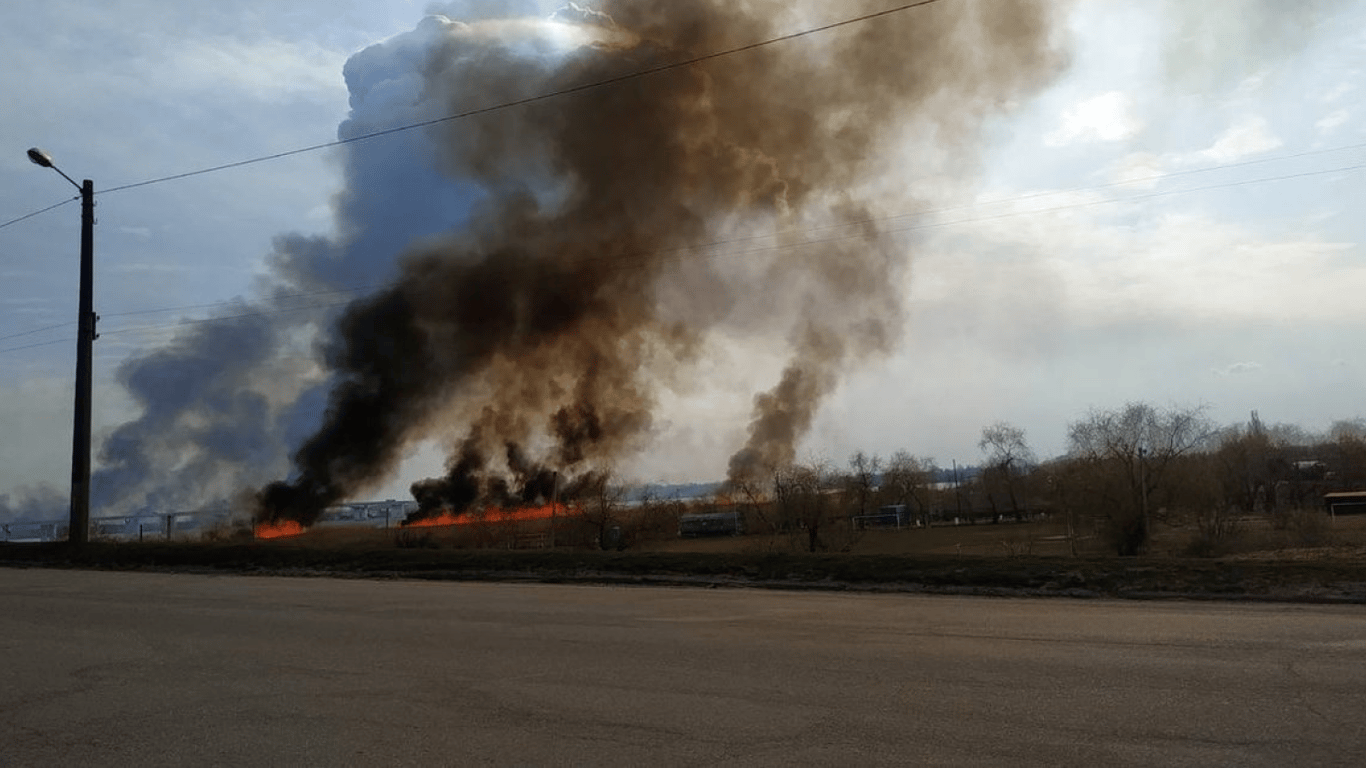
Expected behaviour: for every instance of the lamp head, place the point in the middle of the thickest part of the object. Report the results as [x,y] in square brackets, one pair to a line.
[39,157]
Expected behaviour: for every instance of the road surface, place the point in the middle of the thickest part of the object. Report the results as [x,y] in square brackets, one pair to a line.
[139,669]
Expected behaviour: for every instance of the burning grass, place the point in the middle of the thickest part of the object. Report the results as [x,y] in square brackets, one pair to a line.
[280,530]
[492,515]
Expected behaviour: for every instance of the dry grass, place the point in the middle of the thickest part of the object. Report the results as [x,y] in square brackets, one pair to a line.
[1309,558]
[1297,536]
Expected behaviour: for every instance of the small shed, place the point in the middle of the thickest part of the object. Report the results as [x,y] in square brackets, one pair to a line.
[1345,503]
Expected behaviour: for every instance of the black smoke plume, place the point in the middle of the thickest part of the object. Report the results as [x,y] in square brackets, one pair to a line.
[585,270]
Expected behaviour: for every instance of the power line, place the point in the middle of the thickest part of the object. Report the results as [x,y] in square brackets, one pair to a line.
[37,344]
[656,70]
[44,210]
[35,330]
[1067,191]
[222,318]
[635,261]
[185,307]
[871,220]
[531,99]
[495,107]
[228,302]
[182,324]
[1150,195]
[1012,214]
[554,94]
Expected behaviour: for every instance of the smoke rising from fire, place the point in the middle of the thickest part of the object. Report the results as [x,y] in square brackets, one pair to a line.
[585,274]
[551,269]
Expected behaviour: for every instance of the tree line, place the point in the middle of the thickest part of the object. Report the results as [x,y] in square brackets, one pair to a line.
[1126,470]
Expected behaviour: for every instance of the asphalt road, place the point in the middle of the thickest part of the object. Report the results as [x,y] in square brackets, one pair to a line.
[104,668]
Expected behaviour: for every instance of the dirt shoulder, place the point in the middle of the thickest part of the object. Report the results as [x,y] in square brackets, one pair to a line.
[1324,579]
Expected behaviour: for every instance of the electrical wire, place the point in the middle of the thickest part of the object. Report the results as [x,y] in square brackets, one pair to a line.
[36,330]
[492,108]
[37,344]
[360,289]
[222,318]
[641,260]
[642,257]
[38,212]
[532,99]
[229,302]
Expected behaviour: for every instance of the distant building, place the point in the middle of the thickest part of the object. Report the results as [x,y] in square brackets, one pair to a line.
[1345,503]
[728,523]
[890,516]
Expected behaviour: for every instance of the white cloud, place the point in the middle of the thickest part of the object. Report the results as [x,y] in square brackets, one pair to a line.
[1239,369]
[1107,117]
[1332,121]
[267,69]
[1140,170]
[1245,137]
[1110,265]
[1336,92]
[1248,136]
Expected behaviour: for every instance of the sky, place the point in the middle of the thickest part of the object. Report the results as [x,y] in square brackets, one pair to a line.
[1174,218]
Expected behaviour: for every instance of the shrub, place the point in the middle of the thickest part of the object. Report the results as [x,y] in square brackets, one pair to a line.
[1309,528]
[415,538]
[1216,529]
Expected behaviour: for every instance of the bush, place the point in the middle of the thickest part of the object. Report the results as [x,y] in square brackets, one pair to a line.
[1282,518]
[415,538]
[1125,534]
[1216,529]
[1309,528]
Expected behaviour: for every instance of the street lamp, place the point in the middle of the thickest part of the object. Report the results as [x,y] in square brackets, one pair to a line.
[79,528]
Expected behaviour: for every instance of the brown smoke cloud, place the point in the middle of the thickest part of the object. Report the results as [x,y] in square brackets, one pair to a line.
[533,341]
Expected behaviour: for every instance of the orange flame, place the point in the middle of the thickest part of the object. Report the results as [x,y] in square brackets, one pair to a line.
[491,515]
[278,530]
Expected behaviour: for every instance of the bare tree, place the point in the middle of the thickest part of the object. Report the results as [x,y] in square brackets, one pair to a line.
[753,499]
[906,480]
[654,518]
[1348,429]
[1249,463]
[1129,455]
[1008,457]
[599,507]
[1348,453]
[1066,483]
[862,481]
[805,498]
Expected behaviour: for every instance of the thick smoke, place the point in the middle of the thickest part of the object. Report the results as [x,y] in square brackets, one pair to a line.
[225,403]
[553,265]
[581,271]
